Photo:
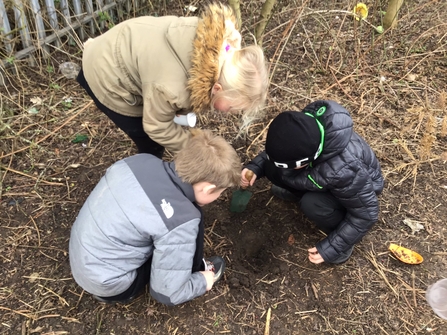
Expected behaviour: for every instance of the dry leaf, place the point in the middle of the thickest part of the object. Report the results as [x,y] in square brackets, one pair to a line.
[414,225]
[411,77]
[291,239]
[36,101]
[33,277]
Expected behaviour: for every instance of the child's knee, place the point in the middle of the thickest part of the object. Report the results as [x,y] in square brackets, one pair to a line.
[321,208]
[309,204]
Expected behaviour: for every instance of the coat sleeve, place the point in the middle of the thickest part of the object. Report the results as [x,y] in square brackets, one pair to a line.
[257,165]
[160,106]
[305,180]
[353,188]
[171,280]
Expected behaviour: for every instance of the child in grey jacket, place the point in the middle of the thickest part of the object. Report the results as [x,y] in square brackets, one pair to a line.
[143,224]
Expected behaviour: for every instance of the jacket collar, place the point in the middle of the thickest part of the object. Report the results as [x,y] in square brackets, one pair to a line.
[204,71]
[185,188]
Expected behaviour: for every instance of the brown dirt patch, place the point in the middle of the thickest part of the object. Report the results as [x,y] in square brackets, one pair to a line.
[395,87]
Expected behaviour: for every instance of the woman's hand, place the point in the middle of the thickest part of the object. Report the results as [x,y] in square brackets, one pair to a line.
[209,277]
[314,256]
[246,182]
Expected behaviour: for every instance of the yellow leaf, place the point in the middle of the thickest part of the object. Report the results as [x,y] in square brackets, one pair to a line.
[405,255]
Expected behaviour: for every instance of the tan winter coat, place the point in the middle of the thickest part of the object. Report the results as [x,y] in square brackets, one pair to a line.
[157,67]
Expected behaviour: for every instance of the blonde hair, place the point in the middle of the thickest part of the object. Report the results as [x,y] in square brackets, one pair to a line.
[208,158]
[244,80]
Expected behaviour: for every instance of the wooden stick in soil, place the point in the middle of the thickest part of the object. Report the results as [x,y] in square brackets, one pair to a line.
[392,11]
[413,276]
[267,322]
[406,300]
[1,183]
[37,229]
[235,5]
[30,316]
[266,13]
[286,35]
[371,258]
[32,177]
[314,290]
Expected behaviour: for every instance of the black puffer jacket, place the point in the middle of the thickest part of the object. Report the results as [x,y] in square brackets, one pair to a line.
[347,167]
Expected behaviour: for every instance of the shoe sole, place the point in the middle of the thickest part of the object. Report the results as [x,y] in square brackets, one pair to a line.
[221,271]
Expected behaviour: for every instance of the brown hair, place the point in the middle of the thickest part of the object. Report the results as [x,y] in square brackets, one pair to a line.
[208,158]
[244,80]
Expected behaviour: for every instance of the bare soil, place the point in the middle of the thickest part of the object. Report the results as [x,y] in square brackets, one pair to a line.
[394,85]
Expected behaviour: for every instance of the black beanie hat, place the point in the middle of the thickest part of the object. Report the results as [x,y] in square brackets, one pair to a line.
[292,136]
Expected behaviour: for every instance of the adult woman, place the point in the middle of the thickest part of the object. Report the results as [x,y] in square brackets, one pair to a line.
[144,71]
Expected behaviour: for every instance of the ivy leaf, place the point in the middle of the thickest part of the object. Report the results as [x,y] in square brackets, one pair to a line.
[79,138]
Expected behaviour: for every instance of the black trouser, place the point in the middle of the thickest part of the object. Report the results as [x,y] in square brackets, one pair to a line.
[320,207]
[132,126]
[144,271]
[323,209]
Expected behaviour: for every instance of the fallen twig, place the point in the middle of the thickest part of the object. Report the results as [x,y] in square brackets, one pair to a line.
[259,135]
[413,276]
[371,258]
[32,177]
[267,322]
[305,312]
[314,290]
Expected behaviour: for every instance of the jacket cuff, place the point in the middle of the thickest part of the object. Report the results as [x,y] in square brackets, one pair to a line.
[322,248]
[257,165]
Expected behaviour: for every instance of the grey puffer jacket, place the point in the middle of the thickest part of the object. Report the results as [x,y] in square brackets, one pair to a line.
[139,209]
[347,167]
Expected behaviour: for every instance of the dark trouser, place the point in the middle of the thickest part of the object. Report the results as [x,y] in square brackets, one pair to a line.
[320,207]
[323,209]
[144,271]
[132,126]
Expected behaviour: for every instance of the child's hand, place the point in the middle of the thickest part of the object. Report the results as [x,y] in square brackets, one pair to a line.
[314,256]
[244,181]
[209,277]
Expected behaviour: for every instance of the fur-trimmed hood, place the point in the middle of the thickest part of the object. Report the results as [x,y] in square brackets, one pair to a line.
[157,67]
[205,65]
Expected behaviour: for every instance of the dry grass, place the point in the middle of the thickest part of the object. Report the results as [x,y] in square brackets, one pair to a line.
[394,85]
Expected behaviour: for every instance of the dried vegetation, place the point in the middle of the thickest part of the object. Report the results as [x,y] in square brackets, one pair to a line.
[55,145]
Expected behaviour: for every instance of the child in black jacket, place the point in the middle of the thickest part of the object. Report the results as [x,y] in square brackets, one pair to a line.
[315,157]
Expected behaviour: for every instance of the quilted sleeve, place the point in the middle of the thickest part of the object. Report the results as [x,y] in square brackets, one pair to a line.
[353,188]
[171,280]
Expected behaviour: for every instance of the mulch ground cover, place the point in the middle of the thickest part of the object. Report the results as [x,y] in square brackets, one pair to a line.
[55,146]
